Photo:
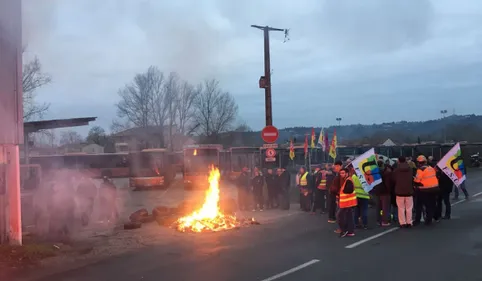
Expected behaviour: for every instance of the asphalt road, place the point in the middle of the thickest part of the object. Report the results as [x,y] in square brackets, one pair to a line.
[304,247]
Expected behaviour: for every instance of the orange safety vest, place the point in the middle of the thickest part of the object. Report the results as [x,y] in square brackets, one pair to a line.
[347,200]
[427,176]
[322,184]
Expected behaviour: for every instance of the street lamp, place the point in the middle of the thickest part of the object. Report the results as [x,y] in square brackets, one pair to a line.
[338,119]
[443,112]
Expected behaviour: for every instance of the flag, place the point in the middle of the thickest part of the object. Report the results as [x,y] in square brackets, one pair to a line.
[367,170]
[313,138]
[321,140]
[306,146]
[292,150]
[327,142]
[452,164]
[333,146]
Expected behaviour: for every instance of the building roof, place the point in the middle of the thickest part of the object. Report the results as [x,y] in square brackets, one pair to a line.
[388,142]
[35,126]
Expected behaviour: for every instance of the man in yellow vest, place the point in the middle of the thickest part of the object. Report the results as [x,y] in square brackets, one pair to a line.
[362,197]
[319,190]
[346,203]
[304,186]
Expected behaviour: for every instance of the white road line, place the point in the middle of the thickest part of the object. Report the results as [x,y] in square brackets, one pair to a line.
[351,246]
[294,269]
[356,244]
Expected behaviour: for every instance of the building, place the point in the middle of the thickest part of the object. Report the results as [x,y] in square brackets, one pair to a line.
[134,139]
[89,148]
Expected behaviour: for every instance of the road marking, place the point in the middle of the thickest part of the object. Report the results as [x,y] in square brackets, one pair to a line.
[356,244]
[371,238]
[294,269]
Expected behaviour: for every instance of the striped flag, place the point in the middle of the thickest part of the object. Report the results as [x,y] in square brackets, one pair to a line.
[313,138]
[321,140]
[333,145]
[292,150]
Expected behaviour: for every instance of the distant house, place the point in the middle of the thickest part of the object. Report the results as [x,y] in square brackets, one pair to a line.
[91,148]
[149,137]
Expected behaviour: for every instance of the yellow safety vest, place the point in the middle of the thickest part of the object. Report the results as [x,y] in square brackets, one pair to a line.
[359,191]
[303,180]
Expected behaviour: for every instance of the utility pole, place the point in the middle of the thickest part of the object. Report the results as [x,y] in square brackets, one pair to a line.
[265,81]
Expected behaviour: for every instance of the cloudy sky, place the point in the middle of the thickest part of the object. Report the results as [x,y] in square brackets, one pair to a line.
[365,61]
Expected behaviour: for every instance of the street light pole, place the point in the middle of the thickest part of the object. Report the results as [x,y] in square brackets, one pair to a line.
[265,81]
[443,112]
[339,121]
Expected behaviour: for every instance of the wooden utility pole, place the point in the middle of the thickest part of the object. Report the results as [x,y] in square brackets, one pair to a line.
[265,81]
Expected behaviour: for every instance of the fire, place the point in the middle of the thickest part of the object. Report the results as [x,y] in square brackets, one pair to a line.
[208,217]
[194,152]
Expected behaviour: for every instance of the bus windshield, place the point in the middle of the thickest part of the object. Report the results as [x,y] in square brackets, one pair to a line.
[148,163]
[200,159]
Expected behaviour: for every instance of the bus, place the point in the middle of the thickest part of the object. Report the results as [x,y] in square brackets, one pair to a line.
[240,157]
[115,165]
[197,161]
[150,168]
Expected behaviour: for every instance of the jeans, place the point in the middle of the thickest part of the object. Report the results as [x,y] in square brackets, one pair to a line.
[319,200]
[464,190]
[405,209]
[258,198]
[445,198]
[331,206]
[306,201]
[384,206]
[345,220]
[361,210]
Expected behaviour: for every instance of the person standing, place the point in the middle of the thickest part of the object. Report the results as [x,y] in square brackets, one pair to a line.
[258,184]
[382,191]
[333,187]
[319,190]
[446,186]
[426,183]
[284,182]
[304,186]
[462,187]
[86,193]
[347,203]
[403,181]
[272,187]
[243,186]
[108,198]
[362,197]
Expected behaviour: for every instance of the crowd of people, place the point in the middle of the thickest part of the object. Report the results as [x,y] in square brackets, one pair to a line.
[409,191]
[66,201]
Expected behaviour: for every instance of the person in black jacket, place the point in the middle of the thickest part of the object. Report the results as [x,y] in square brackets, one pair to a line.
[333,187]
[284,181]
[273,189]
[446,187]
[243,185]
[258,183]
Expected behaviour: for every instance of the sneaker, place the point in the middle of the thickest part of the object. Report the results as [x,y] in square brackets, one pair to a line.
[386,224]
[313,213]
[446,218]
[338,231]
[344,233]
[254,210]
[350,234]
[408,226]
[260,210]
[403,226]
[331,221]
[365,227]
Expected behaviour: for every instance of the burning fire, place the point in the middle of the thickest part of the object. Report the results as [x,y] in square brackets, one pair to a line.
[209,217]
[194,152]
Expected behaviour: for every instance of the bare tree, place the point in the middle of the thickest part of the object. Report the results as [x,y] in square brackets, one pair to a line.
[44,138]
[171,90]
[97,135]
[33,78]
[215,110]
[70,137]
[119,125]
[242,127]
[184,106]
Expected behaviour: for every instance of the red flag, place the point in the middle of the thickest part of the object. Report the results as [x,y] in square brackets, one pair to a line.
[327,143]
[306,146]
[313,138]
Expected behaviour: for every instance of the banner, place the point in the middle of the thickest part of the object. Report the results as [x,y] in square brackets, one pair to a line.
[367,170]
[452,164]
[313,138]
[305,147]
[333,146]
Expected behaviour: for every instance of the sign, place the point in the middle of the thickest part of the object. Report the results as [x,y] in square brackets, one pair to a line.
[270,159]
[452,164]
[270,145]
[270,134]
[270,152]
[367,170]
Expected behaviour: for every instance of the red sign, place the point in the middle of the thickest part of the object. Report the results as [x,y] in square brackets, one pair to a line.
[270,152]
[270,134]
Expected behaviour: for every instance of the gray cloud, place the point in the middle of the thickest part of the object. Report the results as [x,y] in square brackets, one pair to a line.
[371,55]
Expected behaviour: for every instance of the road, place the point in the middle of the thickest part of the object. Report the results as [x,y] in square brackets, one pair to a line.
[304,247]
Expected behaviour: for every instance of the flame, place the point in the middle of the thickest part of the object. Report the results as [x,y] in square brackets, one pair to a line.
[194,152]
[208,217]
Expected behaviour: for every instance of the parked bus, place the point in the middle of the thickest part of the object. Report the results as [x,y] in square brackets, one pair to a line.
[93,165]
[150,168]
[241,157]
[197,161]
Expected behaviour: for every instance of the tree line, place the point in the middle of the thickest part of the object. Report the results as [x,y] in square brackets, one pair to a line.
[154,99]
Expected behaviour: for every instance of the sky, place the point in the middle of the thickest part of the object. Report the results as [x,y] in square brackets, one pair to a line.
[366,62]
